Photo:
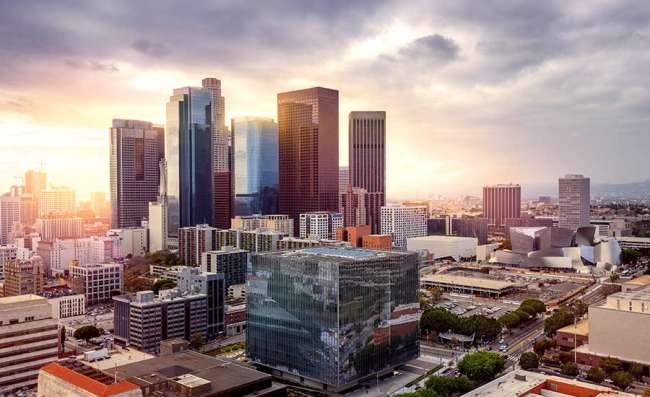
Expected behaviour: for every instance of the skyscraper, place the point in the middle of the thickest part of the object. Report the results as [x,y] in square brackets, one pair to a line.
[157,223]
[223,161]
[194,154]
[574,193]
[501,202]
[255,148]
[353,206]
[135,151]
[9,216]
[308,126]
[367,158]
[35,181]
[56,200]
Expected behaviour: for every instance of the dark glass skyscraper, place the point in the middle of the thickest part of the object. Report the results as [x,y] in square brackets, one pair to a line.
[367,157]
[189,151]
[136,148]
[332,316]
[255,147]
[308,125]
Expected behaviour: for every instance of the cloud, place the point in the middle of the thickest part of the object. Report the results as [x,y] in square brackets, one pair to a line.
[433,46]
[150,48]
[94,66]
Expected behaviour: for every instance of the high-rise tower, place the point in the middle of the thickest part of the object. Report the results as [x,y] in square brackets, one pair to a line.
[136,148]
[308,151]
[574,203]
[367,158]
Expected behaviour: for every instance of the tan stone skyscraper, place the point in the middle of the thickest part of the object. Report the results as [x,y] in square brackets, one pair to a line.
[308,124]
[574,208]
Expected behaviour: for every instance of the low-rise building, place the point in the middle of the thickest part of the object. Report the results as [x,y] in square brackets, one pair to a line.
[143,320]
[98,282]
[382,242]
[29,339]
[521,383]
[72,378]
[353,234]
[24,276]
[68,305]
[437,247]
[469,285]
[573,335]
[235,319]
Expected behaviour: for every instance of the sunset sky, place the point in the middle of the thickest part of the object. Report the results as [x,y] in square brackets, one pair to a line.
[476,92]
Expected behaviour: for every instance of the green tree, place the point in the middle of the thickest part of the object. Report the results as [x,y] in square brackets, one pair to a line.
[163,283]
[482,327]
[509,320]
[611,365]
[537,304]
[630,256]
[523,316]
[438,320]
[622,379]
[481,366]
[542,345]
[560,318]
[529,360]
[569,369]
[436,294]
[579,308]
[421,393]
[596,375]
[636,370]
[87,333]
[196,341]
[445,386]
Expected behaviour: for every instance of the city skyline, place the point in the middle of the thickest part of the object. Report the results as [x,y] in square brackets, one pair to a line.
[489,78]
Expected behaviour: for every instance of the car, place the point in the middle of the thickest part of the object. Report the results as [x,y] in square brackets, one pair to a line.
[503,348]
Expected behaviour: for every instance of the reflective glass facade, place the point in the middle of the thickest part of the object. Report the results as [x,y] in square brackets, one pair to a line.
[332,315]
[255,142]
[189,154]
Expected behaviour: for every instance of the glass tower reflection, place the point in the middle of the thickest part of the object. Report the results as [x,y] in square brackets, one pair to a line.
[255,141]
[189,154]
[333,316]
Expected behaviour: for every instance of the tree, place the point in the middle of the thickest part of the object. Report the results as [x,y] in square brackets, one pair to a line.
[611,365]
[569,369]
[542,345]
[87,333]
[596,375]
[506,245]
[579,308]
[482,327]
[445,386]
[163,283]
[636,370]
[481,366]
[630,256]
[436,294]
[523,316]
[420,393]
[529,360]
[509,320]
[62,337]
[560,318]
[614,278]
[196,341]
[438,320]
[622,379]
[537,304]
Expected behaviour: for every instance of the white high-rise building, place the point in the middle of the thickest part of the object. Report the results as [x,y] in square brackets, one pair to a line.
[157,223]
[320,225]
[9,216]
[574,194]
[403,222]
[58,254]
[59,199]
[51,228]
[133,240]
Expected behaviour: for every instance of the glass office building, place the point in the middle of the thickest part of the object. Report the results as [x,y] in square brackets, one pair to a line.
[189,154]
[255,141]
[332,317]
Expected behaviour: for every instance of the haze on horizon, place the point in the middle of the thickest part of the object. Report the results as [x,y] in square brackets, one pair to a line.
[475,92]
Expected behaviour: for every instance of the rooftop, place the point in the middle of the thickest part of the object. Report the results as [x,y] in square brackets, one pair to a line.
[639,281]
[475,282]
[443,238]
[88,380]
[528,231]
[522,383]
[21,299]
[581,328]
[226,377]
